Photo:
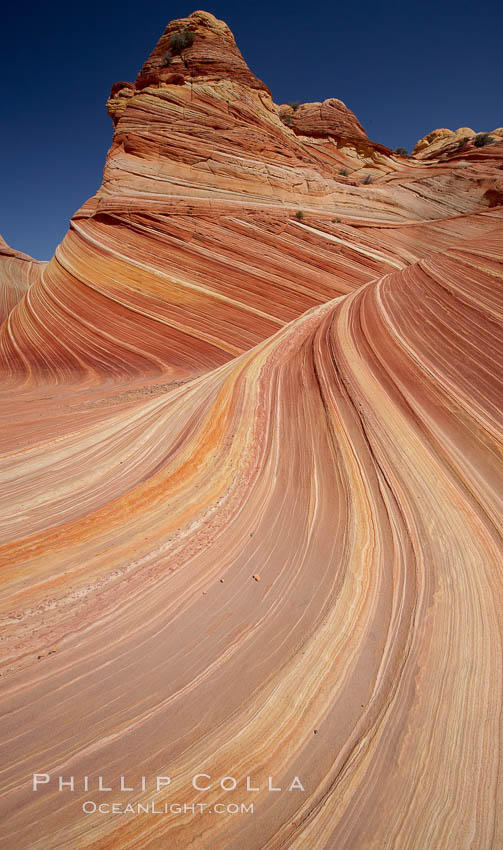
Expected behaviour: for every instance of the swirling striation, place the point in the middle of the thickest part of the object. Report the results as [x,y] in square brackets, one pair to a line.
[252,516]
[17,273]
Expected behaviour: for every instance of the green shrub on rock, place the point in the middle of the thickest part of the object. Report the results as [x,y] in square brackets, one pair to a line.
[482,139]
[180,40]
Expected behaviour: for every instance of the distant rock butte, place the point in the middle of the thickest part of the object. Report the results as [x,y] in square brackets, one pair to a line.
[441,141]
[330,118]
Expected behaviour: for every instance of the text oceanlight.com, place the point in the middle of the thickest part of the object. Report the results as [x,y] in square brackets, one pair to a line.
[90,807]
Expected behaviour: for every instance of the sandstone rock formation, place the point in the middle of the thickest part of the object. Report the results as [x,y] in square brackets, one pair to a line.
[211,54]
[446,141]
[199,173]
[251,444]
[330,118]
[17,273]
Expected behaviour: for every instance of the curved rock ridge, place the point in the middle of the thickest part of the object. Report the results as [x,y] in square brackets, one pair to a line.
[251,495]
[18,272]
[308,529]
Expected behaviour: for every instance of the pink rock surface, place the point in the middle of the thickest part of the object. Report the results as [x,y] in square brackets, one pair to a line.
[17,273]
[330,118]
[250,514]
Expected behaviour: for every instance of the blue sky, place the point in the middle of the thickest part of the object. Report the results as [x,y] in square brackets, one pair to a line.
[404,69]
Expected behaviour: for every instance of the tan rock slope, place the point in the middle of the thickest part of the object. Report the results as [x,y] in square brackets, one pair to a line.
[251,509]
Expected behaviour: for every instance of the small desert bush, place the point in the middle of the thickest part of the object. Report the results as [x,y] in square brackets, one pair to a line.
[287,119]
[299,215]
[482,139]
[180,40]
[344,172]
[336,221]
[167,59]
[294,104]
[368,180]
[402,151]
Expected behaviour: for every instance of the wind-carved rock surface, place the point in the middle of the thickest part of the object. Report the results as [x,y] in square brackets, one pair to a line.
[243,364]
[17,273]
[330,118]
